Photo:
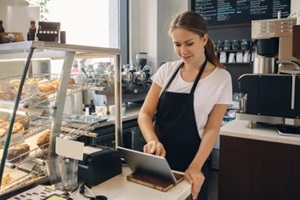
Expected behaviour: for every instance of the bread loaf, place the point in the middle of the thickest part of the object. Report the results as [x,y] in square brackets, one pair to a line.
[44,139]
[18,152]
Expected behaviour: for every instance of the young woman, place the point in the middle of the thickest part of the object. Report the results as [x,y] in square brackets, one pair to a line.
[189,98]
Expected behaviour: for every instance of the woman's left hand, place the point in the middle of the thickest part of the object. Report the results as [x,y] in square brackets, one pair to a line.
[195,177]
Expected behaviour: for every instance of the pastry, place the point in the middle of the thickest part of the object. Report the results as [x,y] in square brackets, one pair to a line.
[24,121]
[71,81]
[17,127]
[7,95]
[32,80]
[5,179]
[3,132]
[55,83]
[43,140]
[15,82]
[4,124]
[46,87]
[18,152]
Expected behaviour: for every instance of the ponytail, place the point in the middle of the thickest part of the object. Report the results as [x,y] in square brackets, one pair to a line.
[211,54]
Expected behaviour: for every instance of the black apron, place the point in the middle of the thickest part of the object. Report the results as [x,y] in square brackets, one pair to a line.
[176,126]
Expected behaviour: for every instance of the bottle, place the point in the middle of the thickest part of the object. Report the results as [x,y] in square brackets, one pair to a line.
[2,30]
[32,31]
[92,107]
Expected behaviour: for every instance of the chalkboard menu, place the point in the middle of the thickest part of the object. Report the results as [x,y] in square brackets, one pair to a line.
[233,13]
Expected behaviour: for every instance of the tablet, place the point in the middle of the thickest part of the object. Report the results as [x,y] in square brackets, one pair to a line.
[144,162]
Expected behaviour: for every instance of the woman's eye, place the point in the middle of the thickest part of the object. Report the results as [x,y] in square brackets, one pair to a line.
[190,44]
[177,45]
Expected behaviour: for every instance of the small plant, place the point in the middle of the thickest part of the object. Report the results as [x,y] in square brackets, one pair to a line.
[43,7]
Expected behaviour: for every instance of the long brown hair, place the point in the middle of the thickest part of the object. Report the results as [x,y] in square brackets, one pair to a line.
[195,23]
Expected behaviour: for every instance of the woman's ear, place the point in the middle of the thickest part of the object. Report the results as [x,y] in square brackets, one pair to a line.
[205,39]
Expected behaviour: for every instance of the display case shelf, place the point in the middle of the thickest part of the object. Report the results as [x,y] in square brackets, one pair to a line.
[39,50]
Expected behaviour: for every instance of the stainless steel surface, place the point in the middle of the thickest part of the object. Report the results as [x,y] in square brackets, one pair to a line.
[280,28]
[263,65]
[118,102]
[54,50]
[283,63]
[267,119]
[294,73]
[60,101]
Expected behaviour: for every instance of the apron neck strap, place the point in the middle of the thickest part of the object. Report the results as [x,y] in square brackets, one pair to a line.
[172,78]
[198,76]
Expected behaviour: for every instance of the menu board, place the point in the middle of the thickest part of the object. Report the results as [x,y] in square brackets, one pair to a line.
[239,12]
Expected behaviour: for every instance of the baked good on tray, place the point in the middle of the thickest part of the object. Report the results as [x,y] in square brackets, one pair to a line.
[7,95]
[44,139]
[3,132]
[18,152]
[5,179]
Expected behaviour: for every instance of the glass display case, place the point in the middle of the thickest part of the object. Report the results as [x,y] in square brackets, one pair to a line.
[32,107]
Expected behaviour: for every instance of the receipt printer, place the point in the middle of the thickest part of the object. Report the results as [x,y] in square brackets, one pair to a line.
[98,165]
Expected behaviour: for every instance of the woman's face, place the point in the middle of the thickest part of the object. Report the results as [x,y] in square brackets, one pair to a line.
[189,46]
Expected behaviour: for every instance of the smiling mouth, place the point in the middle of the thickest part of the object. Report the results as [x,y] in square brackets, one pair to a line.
[186,57]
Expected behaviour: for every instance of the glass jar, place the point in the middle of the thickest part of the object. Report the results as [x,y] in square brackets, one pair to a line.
[244,44]
[227,45]
[219,45]
[236,45]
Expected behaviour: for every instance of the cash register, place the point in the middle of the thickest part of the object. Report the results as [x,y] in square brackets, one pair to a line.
[98,165]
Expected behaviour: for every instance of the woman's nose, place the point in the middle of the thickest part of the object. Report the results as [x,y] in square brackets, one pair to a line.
[183,50]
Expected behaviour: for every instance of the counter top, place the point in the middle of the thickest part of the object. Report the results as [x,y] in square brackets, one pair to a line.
[240,129]
[132,112]
[118,188]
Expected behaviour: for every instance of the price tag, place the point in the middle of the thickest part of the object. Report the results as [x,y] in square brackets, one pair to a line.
[31,89]
[7,87]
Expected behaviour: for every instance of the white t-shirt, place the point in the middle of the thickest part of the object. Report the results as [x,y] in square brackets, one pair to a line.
[214,89]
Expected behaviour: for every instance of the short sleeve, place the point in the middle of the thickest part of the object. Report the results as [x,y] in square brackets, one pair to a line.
[226,93]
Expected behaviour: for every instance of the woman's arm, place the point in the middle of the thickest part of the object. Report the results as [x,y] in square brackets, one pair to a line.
[193,173]
[146,124]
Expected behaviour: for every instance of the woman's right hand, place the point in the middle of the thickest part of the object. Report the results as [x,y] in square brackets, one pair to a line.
[155,147]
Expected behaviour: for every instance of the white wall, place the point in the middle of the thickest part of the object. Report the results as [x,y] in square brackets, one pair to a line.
[149,23]
[295,6]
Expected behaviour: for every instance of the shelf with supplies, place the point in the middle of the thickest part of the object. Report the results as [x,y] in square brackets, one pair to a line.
[34,106]
[236,57]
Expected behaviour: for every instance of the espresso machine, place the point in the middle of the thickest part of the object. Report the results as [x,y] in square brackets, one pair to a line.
[135,81]
[272,91]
